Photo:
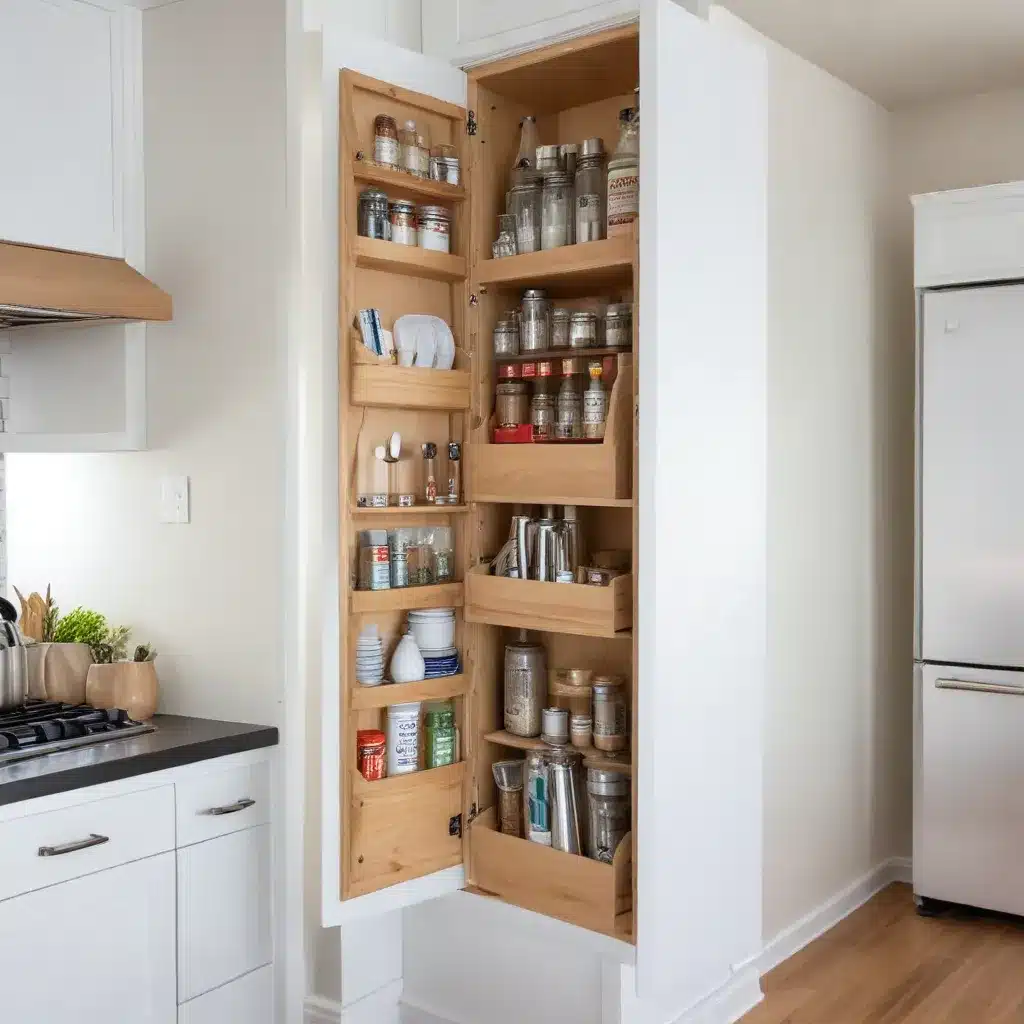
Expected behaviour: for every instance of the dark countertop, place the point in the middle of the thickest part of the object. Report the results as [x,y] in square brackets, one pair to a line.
[177,741]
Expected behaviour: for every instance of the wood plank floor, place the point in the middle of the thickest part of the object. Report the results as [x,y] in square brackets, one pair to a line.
[886,965]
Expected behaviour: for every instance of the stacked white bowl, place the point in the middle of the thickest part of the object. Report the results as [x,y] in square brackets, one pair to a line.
[434,631]
[369,657]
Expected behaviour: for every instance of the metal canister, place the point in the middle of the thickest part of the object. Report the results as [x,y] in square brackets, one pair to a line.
[542,414]
[573,538]
[610,716]
[537,799]
[555,726]
[506,338]
[564,768]
[543,564]
[609,812]
[526,681]
[373,221]
[582,330]
[512,403]
[618,325]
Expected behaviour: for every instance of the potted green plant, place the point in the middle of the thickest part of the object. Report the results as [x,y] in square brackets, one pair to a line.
[58,664]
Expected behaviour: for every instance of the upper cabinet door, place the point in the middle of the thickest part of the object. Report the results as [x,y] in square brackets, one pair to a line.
[702,505]
[61,108]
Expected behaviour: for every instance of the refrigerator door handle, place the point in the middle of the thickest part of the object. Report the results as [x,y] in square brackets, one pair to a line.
[1009,689]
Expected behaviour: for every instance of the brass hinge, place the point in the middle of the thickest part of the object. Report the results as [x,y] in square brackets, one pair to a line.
[471,123]
[455,825]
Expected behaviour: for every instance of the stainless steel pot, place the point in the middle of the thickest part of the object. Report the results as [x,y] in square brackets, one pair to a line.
[13,669]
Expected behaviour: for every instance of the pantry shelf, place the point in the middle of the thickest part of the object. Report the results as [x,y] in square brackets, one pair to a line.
[375,254]
[384,385]
[429,779]
[584,268]
[440,595]
[407,511]
[399,184]
[593,758]
[365,698]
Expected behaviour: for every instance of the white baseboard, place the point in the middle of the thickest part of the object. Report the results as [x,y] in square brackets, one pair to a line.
[414,1015]
[730,1002]
[322,1011]
[379,1007]
[792,939]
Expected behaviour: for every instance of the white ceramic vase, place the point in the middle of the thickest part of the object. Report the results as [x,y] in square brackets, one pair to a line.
[407,662]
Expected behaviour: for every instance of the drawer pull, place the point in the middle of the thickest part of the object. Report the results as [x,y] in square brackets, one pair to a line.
[242,805]
[73,847]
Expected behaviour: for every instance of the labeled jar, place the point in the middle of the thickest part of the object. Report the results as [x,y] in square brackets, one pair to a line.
[414,151]
[370,747]
[385,142]
[559,328]
[582,330]
[512,403]
[435,228]
[506,338]
[555,726]
[609,814]
[439,734]
[610,714]
[403,222]
[403,738]
[569,412]
[430,472]
[623,204]
[399,542]
[581,731]
[373,214]
[535,321]
[374,560]
[590,191]
[444,164]
[618,325]
[542,413]
[595,405]
[525,206]
[556,208]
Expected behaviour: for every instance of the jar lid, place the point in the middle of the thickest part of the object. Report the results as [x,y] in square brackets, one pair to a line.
[583,317]
[507,325]
[435,213]
[564,756]
[370,737]
[374,538]
[605,783]
[385,119]
[404,206]
[535,293]
[555,178]
[548,153]
[608,680]
[374,194]
[619,309]
[512,387]
[530,185]
[429,450]
[560,314]
[569,147]
[593,147]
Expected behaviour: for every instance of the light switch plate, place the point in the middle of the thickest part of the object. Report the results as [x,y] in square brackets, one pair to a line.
[174,499]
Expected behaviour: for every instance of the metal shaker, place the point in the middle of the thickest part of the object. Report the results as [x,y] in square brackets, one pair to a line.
[564,773]
[521,531]
[573,538]
[526,683]
[543,562]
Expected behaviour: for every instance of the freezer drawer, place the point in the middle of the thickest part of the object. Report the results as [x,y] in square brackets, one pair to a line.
[972,477]
[969,787]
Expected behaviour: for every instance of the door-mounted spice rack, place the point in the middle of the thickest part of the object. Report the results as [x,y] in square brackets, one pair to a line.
[378,382]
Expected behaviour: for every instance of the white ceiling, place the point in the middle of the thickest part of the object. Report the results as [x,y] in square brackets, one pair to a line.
[901,52]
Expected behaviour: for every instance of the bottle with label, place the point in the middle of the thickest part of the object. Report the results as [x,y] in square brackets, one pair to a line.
[624,176]
[595,404]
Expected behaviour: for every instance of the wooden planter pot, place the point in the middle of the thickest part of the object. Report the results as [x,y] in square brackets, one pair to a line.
[130,686]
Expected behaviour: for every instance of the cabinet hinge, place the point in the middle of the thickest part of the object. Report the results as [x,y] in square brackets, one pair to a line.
[455,825]
[471,123]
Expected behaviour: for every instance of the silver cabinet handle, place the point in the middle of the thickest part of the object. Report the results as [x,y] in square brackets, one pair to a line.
[74,846]
[1009,689]
[242,805]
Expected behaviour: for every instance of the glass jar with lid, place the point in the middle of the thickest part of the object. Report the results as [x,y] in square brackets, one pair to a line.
[556,209]
[590,191]
[535,321]
[582,329]
[385,142]
[609,815]
[569,411]
[559,328]
[542,411]
[549,158]
[512,403]
[505,244]
[414,151]
[618,325]
[435,228]
[623,204]
[373,214]
[525,206]
[506,338]
[403,222]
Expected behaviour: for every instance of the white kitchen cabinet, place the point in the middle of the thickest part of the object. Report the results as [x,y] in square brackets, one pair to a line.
[95,950]
[224,918]
[246,1000]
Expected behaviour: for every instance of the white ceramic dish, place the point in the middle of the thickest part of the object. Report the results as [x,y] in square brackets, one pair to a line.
[433,634]
[429,337]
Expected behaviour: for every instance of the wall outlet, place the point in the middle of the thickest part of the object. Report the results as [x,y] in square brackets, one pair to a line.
[174,503]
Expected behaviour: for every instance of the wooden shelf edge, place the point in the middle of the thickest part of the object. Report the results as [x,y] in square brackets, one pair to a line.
[446,776]
[565,262]
[406,511]
[365,698]
[400,181]
[547,499]
[597,758]
[376,254]
[384,385]
[437,595]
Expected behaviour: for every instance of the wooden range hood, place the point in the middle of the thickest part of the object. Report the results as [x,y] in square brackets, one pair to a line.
[51,286]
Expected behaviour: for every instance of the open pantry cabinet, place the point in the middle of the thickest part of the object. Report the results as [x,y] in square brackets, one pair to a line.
[678,481]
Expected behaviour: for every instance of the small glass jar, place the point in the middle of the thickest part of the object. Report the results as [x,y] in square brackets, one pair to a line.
[414,151]
[609,813]
[443,555]
[525,206]
[595,405]
[535,321]
[559,328]
[582,330]
[373,214]
[444,164]
[512,403]
[610,714]
[385,142]
[505,244]
[590,191]
[438,734]
[430,472]
[618,325]
[403,222]
[569,422]
[556,209]
[506,338]
[435,228]
[542,412]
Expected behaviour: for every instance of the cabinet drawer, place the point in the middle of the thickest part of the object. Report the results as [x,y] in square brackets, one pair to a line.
[221,801]
[44,849]
[224,899]
[249,999]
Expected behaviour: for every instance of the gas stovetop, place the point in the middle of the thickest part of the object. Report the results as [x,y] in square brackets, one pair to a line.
[42,727]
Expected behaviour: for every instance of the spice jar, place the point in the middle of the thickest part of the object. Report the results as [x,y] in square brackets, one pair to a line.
[589,188]
[556,208]
[618,325]
[582,330]
[609,813]
[555,726]
[435,230]
[430,472]
[454,472]
[525,206]
[512,403]
[438,734]
[559,328]
[403,738]
[505,244]
[414,152]
[442,554]
[374,560]
[610,725]
[373,214]
[403,222]
[399,542]
[542,412]
[534,321]
[581,730]
[385,141]
[506,338]
[370,744]
[549,158]
[569,421]
[595,405]
[444,164]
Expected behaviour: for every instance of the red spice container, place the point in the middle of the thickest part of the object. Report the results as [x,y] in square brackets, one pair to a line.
[371,745]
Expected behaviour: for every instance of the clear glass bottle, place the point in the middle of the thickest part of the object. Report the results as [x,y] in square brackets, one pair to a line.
[505,243]
[556,209]
[526,156]
[590,190]
[569,423]
[595,404]
[535,321]
[542,412]
[525,206]
[415,152]
[430,472]
[624,176]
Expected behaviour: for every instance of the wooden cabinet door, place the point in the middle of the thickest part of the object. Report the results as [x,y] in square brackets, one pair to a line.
[702,505]
[95,950]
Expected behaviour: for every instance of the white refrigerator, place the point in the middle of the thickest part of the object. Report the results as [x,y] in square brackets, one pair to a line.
[969,630]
